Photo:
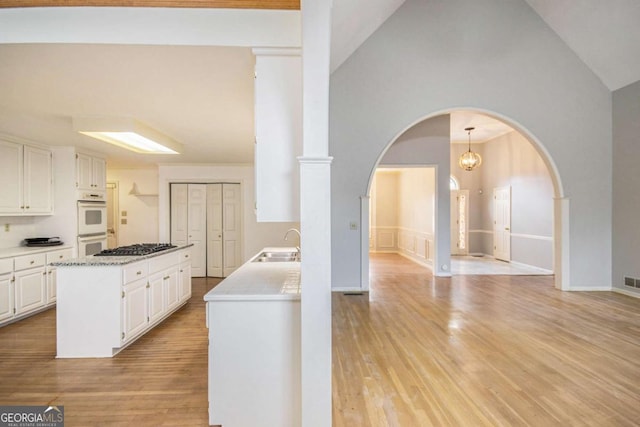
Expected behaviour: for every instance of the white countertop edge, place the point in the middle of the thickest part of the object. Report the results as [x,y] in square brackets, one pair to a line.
[28,250]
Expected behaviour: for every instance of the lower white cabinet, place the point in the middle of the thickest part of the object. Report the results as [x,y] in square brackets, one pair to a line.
[104,306]
[156,297]
[30,290]
[28,282]
[6,296]
[135,309]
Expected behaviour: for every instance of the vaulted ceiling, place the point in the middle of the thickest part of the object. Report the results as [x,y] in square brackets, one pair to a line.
[203,96]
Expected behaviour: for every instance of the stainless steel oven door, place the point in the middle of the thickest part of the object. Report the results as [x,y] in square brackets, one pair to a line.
[92,218]
[91,245]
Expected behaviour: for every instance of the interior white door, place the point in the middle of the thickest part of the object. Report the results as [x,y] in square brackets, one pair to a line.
[214,230]
[197,228]
[232,230]
[502,223]
[179,214]
[112,215]
[459,222]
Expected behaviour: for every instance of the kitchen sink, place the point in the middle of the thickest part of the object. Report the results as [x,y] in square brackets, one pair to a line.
[278,257]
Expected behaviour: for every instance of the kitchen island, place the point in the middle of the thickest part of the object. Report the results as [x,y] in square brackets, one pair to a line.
[107,302]
[253,318]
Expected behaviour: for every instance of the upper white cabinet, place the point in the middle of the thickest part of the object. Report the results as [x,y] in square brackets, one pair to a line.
[26,177]
[278,122]
[91,173]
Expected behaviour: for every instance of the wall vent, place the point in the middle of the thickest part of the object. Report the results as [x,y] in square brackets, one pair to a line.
[631,282]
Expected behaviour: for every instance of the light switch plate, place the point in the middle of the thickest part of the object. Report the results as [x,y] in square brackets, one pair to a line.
[123,221]
[353,225]
[123,213]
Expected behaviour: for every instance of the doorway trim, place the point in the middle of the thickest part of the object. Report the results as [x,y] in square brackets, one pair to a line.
[561,211]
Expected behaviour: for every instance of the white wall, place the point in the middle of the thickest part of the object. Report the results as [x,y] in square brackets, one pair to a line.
[488,55]
[403,210]
[510,160]
[256,234]
[142,211]
[626,181]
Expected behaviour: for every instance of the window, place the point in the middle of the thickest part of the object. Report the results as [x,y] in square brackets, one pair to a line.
[453,183]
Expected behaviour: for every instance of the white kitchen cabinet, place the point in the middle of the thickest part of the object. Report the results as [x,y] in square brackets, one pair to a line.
[156,297]
[29,170]
[172,293]
[278,127]
[27,281]
[135,309]
[6,296]
[91,173]
[30,290]
[124,301]
[184,280]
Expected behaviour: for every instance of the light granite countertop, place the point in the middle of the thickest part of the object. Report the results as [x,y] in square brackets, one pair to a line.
[105,261]
[260,281]
[29,250]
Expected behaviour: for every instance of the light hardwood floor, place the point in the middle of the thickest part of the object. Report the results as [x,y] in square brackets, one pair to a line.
[467,351]
[482,350]
[160,380]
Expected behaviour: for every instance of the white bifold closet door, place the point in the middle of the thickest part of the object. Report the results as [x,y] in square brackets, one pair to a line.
[223,229]
[209,217]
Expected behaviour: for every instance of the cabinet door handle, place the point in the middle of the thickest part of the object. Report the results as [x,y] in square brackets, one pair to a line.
[31,262]
[166,277]
[44,273]
[138,272]
[27,207]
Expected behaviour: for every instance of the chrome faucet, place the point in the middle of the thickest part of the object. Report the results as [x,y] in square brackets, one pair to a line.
[299,238]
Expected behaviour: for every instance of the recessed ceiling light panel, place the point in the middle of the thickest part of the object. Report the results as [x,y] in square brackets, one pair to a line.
[127,133]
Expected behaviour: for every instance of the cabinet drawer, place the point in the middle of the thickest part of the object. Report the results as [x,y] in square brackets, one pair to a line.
[60,255]
[135,271]
[6,265]
[163,262]
[29,261]
[185,255]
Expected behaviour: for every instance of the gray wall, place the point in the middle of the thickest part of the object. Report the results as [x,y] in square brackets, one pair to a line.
[496,56]
[510,160]
[626,185]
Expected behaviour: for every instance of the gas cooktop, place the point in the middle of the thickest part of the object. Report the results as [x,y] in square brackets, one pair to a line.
[136,250]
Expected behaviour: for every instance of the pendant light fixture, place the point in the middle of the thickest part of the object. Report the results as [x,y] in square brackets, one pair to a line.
[469,160]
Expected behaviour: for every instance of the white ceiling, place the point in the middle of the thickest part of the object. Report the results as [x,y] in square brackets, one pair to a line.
[199,96]
[486,127]
[203,96]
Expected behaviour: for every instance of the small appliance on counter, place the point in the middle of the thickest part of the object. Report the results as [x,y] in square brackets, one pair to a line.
[43,241]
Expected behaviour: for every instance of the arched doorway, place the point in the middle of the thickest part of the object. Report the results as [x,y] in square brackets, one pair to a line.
[441,260]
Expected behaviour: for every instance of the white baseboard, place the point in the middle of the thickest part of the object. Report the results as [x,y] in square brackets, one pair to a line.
[348,289]
[590,289]
[427,264]
[626,292]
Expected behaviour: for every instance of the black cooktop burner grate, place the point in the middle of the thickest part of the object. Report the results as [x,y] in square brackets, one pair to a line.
[136,250]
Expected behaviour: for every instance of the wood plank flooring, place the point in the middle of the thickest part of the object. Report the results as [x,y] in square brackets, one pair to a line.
[481,351]
[466,351]
[160,380]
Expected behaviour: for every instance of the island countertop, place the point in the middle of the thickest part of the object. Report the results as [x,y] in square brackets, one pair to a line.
[260,281]
[105,261]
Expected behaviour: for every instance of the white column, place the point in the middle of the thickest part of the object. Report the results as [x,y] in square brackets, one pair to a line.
[315,216]
[561,260]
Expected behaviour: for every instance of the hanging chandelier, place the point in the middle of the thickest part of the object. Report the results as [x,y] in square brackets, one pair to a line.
[469,160]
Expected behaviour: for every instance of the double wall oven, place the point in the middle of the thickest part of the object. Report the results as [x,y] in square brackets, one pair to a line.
[92,226]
